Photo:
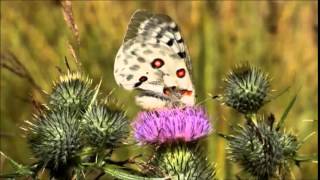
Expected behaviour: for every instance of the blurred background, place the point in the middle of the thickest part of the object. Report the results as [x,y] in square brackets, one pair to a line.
[279,37]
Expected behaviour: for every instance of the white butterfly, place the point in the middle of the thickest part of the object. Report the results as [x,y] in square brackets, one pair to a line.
[154,60]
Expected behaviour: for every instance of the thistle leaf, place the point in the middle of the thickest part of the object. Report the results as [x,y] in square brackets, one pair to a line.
[20,170]
[119,172]
[306,138]
[95,94]
[305,158]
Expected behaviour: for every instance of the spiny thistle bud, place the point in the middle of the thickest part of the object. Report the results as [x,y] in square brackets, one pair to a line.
[72,90]
[104,127]
[261,150]
[182,161]
[246,89]
[171,124]
[55,139]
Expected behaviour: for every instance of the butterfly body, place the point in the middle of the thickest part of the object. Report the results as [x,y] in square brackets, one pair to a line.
[154,61]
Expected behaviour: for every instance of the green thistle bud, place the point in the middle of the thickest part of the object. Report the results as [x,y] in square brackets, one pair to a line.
[182,161]
[55,139]
[72,90]
[246,89]
[104,127]
[261,150]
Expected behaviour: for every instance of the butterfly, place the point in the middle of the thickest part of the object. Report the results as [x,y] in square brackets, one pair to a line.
[153,60]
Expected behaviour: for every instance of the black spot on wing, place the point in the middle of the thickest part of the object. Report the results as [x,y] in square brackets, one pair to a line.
[141,80]
[159,35]
[170,42]
[134,67]
[182,54]
[148,51]
[133,53]
[175,28]
[129,77]
[180,40]
[137,84]
[141,59]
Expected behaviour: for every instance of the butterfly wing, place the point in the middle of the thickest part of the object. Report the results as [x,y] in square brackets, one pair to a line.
[150,58]
[160,28]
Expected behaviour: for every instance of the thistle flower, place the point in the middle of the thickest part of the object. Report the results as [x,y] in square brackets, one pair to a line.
[104,127]
[246,89]
[55,139]
[168,125]
[261,150]
[72,90]
[182,161]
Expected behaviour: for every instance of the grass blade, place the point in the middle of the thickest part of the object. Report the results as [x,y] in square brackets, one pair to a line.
[286,112]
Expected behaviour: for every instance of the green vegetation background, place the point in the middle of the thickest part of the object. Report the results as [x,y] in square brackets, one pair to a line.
[279,37]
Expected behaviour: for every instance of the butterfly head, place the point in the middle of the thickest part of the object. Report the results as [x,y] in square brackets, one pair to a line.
[184,96]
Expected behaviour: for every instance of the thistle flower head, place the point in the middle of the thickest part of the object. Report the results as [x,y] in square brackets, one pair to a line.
[72,90]
[262,150]
[104,127]
[246,89]
[55,138]
[174,124]
[182,161]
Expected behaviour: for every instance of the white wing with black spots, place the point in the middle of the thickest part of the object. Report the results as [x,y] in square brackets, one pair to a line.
[153,59]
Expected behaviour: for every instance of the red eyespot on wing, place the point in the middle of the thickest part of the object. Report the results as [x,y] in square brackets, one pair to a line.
[157,63]
[185,92]
[166,91]
[143,78]
[181,73]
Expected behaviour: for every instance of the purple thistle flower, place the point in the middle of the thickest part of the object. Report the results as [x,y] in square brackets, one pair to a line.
[174,124]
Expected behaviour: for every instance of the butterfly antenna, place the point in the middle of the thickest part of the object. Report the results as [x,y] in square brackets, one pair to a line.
[203,101]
